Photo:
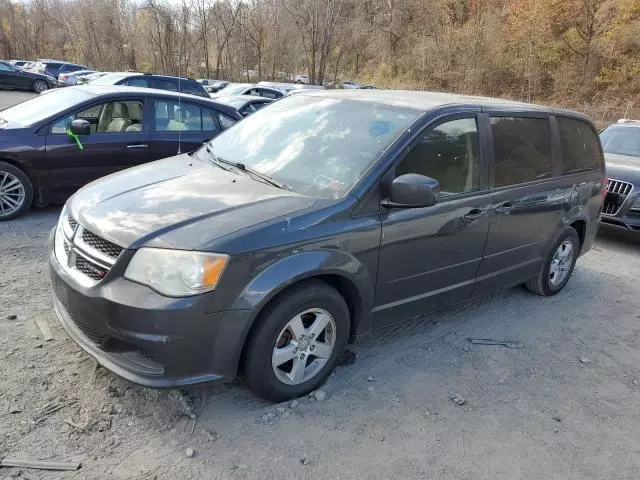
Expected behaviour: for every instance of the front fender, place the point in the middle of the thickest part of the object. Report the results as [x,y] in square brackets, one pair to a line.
[299,266]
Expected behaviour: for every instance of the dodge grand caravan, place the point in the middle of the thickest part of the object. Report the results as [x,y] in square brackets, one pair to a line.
[322,217]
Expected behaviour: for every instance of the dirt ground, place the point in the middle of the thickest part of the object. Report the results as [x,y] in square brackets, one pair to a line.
[563,403]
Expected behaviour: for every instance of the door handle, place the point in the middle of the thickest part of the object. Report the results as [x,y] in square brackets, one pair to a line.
[474,214]
[505,208]
[138,147]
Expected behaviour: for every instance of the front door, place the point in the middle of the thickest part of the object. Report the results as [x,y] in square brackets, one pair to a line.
[527,203]
[429,257]
[119,139]
[11,77]
[180,127]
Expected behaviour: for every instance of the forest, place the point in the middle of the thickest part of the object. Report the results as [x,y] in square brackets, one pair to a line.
[579,53]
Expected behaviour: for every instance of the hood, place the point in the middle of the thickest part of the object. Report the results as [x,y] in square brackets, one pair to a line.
[623,167]
[180,202]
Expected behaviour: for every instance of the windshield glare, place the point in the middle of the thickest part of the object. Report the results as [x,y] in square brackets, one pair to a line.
[41,107]
[621,141]
[316,146]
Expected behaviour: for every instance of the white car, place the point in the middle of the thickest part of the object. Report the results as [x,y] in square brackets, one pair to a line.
[301,79]
[250,89]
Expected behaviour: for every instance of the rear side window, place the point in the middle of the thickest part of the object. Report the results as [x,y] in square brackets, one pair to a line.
[136,82]
[173,116]
[225,120]
[191,88]
[522,148]
[580,149]
[166,85]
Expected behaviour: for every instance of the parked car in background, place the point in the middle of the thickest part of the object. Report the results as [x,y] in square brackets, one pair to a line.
[70,79]
[91,76]
[325,216]
[621,145]
[255,90]
[56,67]
[12,77]
[214,86]
[117,127]
[301,79]
[19,63]
[244,104]
[149,80]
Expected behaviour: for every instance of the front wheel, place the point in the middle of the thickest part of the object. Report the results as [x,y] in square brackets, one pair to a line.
[39,86]
[298,341]
[16,192]
[558,266]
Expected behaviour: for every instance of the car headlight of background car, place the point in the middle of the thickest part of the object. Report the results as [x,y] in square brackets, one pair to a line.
[176,273]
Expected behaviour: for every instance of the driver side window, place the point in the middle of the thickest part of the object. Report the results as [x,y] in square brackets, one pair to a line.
[110,117]
[447,153]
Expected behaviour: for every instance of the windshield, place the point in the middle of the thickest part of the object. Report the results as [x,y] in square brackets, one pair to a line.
[109,79]
[233,89]
[41,107]
[621,141]
[316,146]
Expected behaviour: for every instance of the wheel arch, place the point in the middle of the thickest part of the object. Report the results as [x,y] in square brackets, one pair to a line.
[339,270]
[28,173]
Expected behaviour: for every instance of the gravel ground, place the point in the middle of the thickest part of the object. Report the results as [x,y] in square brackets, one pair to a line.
[563,404]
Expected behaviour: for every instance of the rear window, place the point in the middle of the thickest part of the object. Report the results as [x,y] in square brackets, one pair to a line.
[522,148]
[191,88]
[580,149]
[162,84]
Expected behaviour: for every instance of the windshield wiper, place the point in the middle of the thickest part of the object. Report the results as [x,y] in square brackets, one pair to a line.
[215,160]
[252,172]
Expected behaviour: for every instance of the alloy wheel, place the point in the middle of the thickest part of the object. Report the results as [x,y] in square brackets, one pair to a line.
[304,346]
[12,194]
[561,263]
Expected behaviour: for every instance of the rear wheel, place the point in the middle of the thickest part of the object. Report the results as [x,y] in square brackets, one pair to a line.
[39,86]
[298,342]
[559,265]
[16,192]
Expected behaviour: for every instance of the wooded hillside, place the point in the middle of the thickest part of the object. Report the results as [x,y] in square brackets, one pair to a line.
[562,51]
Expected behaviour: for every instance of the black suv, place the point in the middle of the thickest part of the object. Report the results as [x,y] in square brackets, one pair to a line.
[148,80]
[325,216]
[621,143]
[56,67]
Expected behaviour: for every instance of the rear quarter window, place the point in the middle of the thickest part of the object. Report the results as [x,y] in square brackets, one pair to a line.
[580,146]
[522,148]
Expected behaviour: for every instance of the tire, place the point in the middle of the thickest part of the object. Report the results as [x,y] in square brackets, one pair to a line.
[544,283]
[315,299]
[39,86]
[16,192]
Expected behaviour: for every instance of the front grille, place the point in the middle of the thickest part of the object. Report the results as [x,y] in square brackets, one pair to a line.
[617,193]
[67,249]
[90,269]
[619,187]
[101,245]
[72,223]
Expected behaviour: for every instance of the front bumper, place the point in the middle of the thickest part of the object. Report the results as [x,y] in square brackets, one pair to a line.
[147,338]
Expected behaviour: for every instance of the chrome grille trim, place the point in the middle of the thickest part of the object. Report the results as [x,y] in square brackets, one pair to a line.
[83,261]
[622,191]
[82,244]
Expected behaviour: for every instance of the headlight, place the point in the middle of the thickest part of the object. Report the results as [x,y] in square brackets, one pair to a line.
[176,273]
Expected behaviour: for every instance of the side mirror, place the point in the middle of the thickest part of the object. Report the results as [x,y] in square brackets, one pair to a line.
[412,191]
[80,127]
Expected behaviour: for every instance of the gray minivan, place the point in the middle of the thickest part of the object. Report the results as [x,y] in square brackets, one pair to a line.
[324,216]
